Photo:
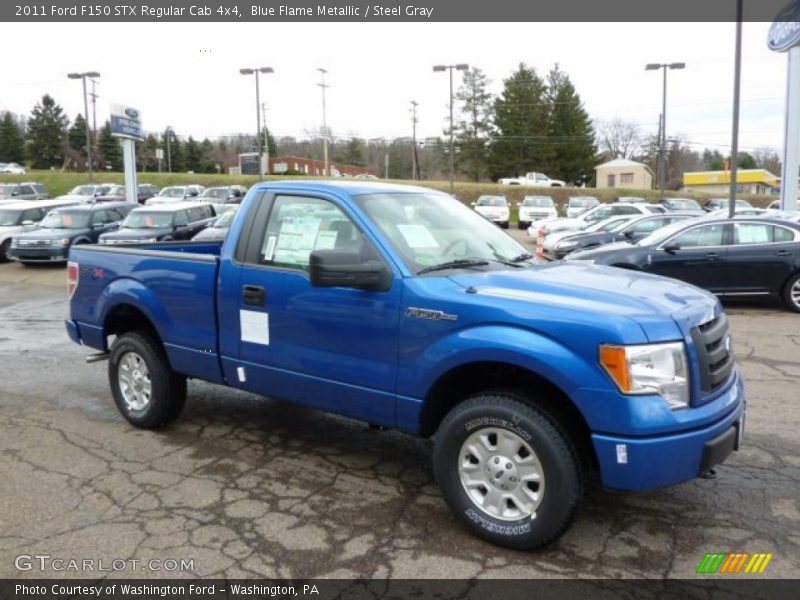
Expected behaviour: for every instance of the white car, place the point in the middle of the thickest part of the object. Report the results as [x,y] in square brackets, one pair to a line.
[532,179]
[578,204]
[494,208]
[534,208]
[175,193]
[598,213]
[23,216]
[86,194]
[13,169]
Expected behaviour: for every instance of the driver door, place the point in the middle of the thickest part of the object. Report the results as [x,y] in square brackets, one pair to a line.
[334,347]
[699,258]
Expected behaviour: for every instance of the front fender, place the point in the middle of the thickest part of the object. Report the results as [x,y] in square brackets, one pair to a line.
[516,346]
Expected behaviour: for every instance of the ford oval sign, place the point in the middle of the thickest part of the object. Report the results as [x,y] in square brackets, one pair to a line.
[785,31]
[132,113]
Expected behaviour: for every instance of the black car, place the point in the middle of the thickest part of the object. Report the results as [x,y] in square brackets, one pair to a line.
[64,227]
[729,257]
[632,231]
[162,223]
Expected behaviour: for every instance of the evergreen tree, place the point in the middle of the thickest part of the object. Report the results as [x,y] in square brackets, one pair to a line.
[46,134]
[110,149]
[207,162]
[474,126]
[520,119]
[570,130]
[193,156]
[354,153]
[12,141]
[76,138]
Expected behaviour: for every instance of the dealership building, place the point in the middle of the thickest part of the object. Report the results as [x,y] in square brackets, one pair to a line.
[749,181]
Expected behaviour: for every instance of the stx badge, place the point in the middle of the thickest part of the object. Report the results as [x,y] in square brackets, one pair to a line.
[430,315]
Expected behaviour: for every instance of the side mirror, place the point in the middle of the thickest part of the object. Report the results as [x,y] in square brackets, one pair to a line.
[628,234]
[672,247]
[347,268]
[473,203]
[15,193]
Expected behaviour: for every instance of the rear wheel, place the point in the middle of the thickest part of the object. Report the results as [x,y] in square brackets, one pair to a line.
[791,293]
[507,472]
[523,225]
[146,390]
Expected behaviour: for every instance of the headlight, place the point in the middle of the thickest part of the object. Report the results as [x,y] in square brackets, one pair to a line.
[650,369]
[59,243]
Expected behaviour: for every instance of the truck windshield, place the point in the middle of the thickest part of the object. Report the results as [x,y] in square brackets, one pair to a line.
[172,192]
[66,220]
[491,201]
[431,229]
[9,218]
[83,190]
[216,193]
[148,220]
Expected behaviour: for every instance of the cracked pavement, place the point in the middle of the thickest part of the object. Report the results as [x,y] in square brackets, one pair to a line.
[250,487]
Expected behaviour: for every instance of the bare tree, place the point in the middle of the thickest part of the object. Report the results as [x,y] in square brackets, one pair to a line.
[767,158]
[618,138]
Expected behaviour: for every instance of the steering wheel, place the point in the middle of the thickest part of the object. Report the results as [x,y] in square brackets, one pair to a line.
[453,244]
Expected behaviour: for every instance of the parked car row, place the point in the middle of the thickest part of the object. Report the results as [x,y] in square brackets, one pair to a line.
[39,231]
[12,168]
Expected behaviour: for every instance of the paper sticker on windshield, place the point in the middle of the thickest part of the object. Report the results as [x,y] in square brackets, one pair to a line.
[417,236]
[269,247]
[326,240]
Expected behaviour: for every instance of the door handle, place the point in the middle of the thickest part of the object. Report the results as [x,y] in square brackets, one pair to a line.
[712,255]
[783,253]
[254,295]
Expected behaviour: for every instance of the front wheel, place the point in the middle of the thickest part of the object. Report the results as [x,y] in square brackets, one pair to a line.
[5,251]
[146,390]
[791,293]
[508,472]
[523,225]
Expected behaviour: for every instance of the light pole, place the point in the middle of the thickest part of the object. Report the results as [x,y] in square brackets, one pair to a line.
[737,85]
[662,150]
[457,67]
[414,105]
[255,72]
[168,134]
[83,76]
[324,87]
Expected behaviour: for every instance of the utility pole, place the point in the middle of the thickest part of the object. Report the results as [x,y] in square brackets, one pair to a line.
[414,164]
[169,152]
[324,86]
[82,77]
[255,72]
[662,142]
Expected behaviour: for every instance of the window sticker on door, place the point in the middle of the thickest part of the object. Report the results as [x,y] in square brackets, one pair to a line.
[417,236]
[296,240]
[254,327]
[326,240]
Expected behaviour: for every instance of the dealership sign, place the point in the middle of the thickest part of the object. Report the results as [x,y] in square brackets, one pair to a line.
[126,122]
[785,31]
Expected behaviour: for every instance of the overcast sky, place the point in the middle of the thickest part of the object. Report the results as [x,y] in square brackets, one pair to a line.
[187,75]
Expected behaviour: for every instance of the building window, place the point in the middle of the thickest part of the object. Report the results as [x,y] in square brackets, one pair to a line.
[626,178]
[612,180]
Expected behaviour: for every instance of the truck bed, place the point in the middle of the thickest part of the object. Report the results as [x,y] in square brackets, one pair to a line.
[173,284]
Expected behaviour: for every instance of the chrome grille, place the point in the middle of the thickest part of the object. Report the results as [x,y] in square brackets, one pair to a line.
[33,242]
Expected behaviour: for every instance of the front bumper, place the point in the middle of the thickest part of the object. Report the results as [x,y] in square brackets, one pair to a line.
[45,254]
[643,463]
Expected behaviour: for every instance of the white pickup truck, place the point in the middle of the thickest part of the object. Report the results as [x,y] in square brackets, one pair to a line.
[532,179]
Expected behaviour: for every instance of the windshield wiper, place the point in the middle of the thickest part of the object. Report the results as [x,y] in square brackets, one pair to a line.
[455,264]
[521,258]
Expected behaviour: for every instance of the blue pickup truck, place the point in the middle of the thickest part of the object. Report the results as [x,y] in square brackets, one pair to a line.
[401,307]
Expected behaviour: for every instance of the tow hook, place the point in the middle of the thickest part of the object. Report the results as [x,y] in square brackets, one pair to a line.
[710,474]
[100,356]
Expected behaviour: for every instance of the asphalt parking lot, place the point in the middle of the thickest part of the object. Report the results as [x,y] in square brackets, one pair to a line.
[245,486]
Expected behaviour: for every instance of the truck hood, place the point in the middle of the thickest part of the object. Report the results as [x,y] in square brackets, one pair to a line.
[656,303]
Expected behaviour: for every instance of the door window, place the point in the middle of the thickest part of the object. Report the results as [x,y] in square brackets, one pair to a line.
[100,217]
[708,235]
[298,225]
[645,227]
[33,214]
[760,233]
[180,219]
